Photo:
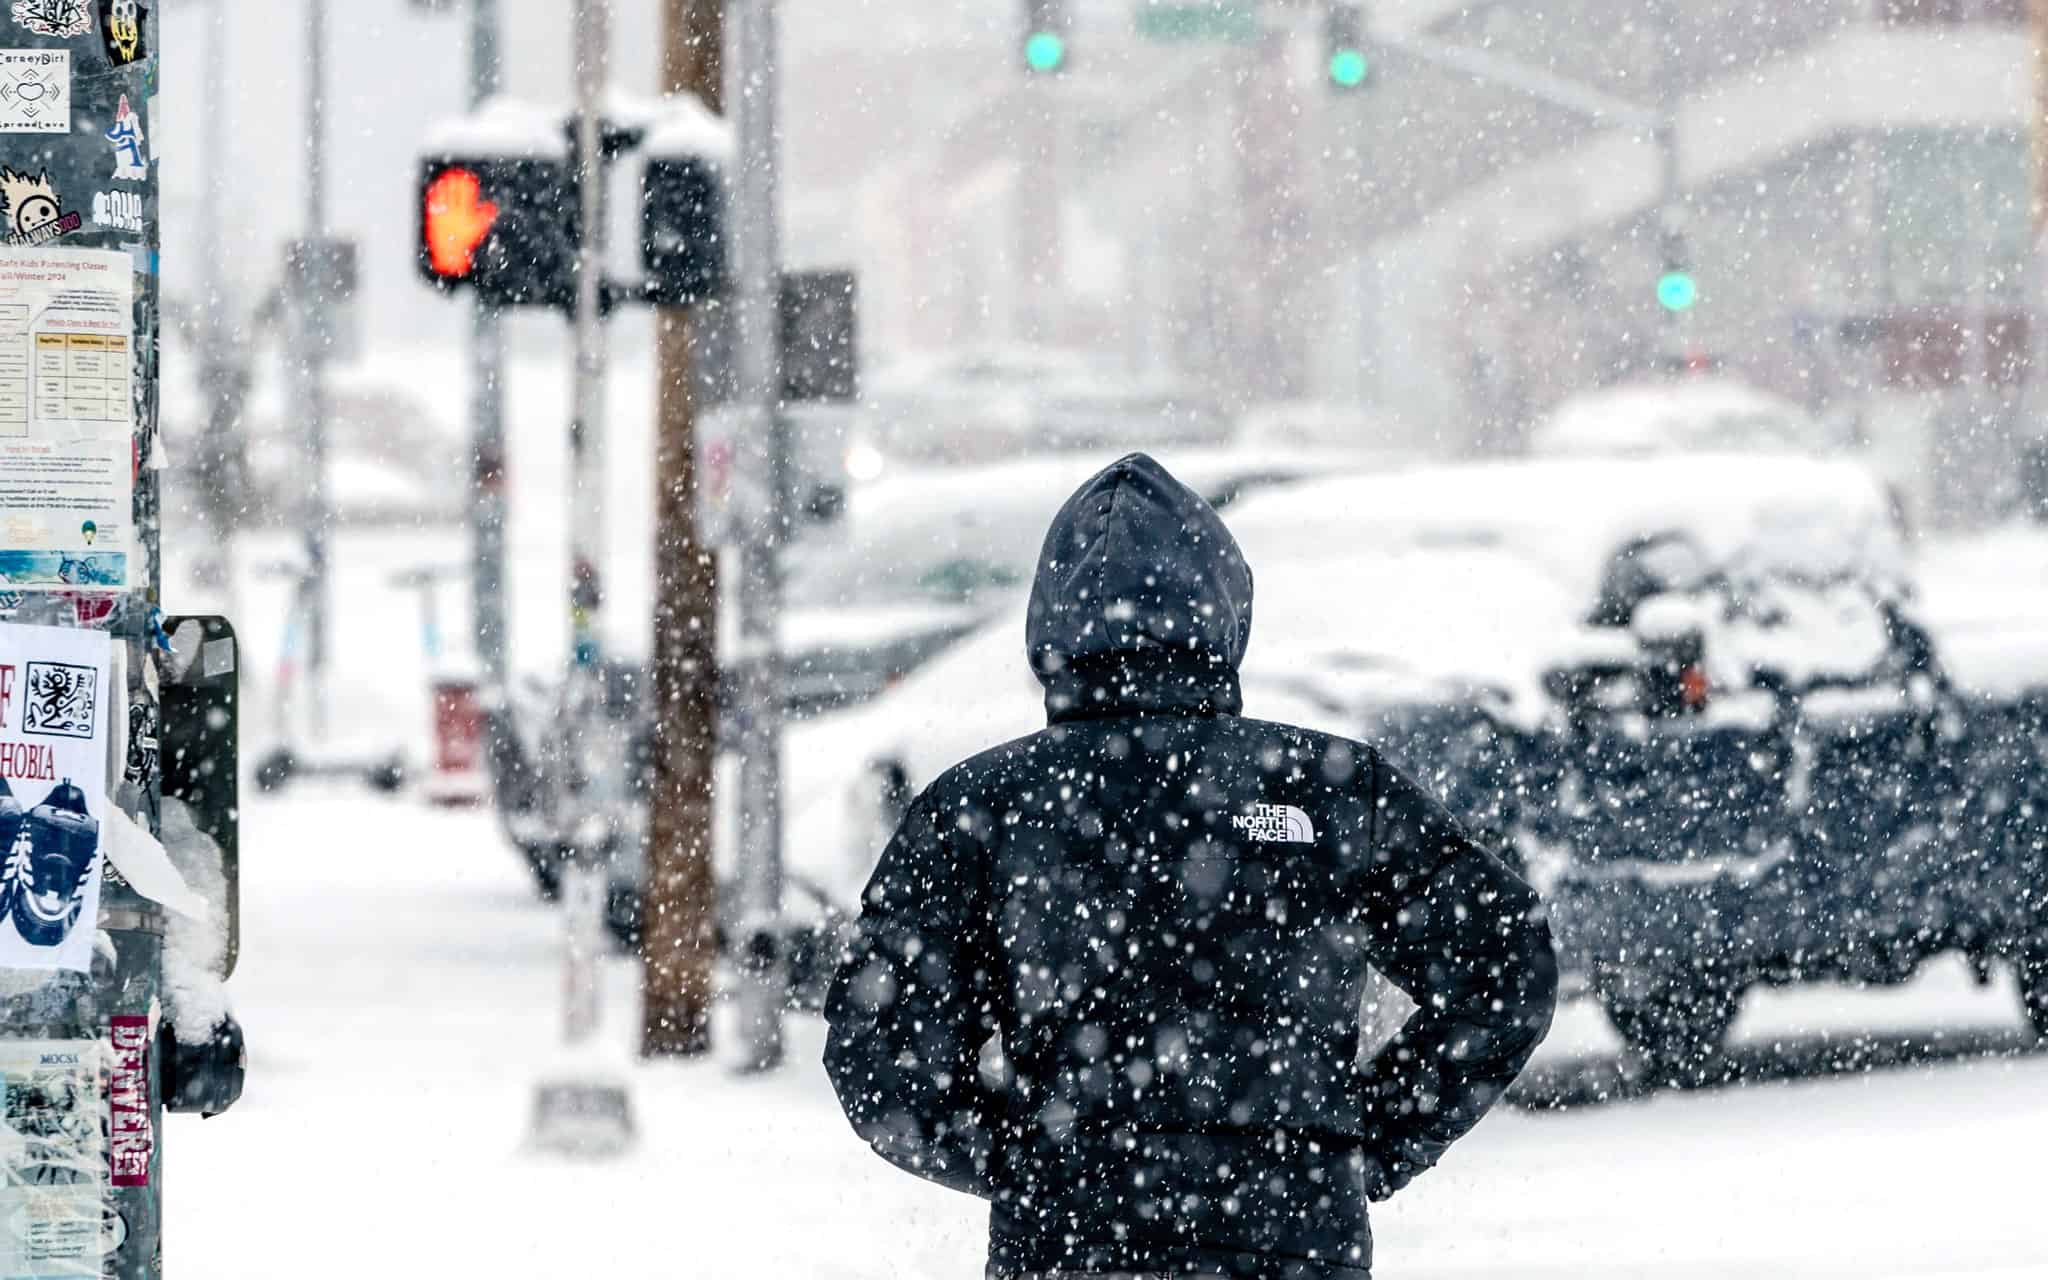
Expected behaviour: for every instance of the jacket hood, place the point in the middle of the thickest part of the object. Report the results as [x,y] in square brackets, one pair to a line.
[1142,602]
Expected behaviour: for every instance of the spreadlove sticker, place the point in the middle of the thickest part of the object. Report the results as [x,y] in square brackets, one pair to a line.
[55,692]
[35,91]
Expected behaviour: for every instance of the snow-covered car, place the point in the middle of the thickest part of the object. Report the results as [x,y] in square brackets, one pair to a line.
[921,558]
[983,404]
[1686,415]
[1694,690]
[1688,692]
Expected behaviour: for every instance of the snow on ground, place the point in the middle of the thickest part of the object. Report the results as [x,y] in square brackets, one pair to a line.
[400,986]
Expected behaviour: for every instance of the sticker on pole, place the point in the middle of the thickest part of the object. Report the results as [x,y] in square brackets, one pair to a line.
[35,91]
[62,18]
[67,348]
[52,1159]
[54,689]
[132,1141]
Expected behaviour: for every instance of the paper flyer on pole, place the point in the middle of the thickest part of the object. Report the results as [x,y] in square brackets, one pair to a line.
[55,694]
[67,419]
[53,1163]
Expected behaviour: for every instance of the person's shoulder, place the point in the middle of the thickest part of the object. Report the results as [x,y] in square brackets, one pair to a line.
[1307,743]
[995,767]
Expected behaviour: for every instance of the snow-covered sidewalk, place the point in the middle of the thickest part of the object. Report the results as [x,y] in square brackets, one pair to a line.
[401,990]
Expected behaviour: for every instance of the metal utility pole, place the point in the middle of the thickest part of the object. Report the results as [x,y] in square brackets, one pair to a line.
[1673,246]
[2034,432]
[317,515]
[679,941]
[754,84]
[584,880]
[223,369]
[487,408]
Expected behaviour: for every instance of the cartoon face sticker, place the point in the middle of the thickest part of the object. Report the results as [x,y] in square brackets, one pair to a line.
[31,202]
[121,30]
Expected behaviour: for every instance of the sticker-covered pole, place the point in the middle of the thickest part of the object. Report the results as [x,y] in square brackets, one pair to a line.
[82,998]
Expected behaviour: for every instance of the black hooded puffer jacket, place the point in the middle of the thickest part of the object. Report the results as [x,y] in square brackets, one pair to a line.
[1165,911]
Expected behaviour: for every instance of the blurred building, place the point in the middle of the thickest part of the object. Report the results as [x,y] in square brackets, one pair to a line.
[1855,178]
[1856,182]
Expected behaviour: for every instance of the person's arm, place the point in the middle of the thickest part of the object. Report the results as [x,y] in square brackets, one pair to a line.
[909,1008]
[1466,938]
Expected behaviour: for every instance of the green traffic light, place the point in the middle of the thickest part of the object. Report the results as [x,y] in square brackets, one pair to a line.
[1045,51]
[1348,68]
[1677,291]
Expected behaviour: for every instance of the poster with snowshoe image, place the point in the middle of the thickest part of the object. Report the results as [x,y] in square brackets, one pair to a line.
[55,697]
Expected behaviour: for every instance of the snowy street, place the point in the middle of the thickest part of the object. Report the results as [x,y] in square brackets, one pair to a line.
[400,986]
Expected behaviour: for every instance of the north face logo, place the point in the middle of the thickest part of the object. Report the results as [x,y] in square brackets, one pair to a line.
[1281,823]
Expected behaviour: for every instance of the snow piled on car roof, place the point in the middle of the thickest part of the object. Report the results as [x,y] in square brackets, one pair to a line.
[1667,417]
[1475,580]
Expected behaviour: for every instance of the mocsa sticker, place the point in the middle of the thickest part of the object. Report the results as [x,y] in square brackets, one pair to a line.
[1275,824]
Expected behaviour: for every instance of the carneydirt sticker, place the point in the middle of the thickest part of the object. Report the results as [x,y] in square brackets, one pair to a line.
[61,18]
[35,91]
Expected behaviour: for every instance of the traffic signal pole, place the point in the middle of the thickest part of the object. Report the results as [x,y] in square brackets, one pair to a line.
[316,515]
[764,461]
[584,879]
[679,926]
[487,410]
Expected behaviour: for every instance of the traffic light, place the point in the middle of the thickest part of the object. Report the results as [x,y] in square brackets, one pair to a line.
[1046,33]
[1347,62]
[510,228]
[1677,288]
[682,230]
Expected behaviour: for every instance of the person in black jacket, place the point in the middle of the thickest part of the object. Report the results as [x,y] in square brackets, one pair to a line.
[1108,977]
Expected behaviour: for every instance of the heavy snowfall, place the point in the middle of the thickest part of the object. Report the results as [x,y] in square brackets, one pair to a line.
[912,639]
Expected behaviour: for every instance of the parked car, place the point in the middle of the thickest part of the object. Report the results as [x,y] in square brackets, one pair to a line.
[1690,693]
[922,558]
[1687,415]
[1695,691]
[984,404]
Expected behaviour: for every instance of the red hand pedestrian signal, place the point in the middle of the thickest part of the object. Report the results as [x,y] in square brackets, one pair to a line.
[458,219]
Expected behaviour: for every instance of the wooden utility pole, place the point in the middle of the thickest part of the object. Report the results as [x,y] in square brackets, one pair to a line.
[679,943]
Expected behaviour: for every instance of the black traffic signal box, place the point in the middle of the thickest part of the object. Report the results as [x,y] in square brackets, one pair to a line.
[510,228]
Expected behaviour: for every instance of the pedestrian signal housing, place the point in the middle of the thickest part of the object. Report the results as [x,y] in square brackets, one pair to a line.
[509,228]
